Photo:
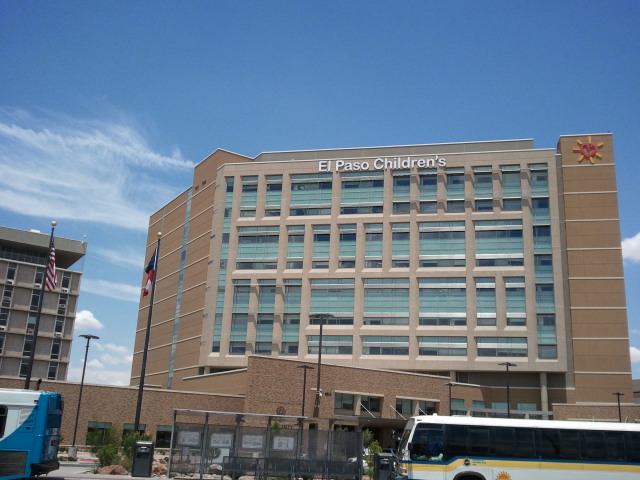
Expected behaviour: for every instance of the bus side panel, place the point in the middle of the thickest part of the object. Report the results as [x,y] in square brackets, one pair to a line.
[44,458]
[16,449]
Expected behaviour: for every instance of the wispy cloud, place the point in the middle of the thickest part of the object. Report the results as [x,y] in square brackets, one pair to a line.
[85,320]
[635,354]
[631,248]
[125,258]
[111,366]
[117,291]
[55,166]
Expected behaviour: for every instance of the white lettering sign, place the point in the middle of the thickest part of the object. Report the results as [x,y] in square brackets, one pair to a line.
[381,163]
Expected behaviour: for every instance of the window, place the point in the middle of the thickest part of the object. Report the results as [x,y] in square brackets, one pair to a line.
[332,296]
[343,401]
[4,317]
[55,348]
[258,248]
[499,243]
[511,181]
[274,196]
[62,304]
[371,404]
[442,346]
[547,338]
[295,246]
[3,337]
[7,293]
[483,189]
[249,196]
[515,301]
[321,246]
[35,300]
[542,239]
[347,246]
[442,301]
[11,272]
[442,244]
[404,406]
[373,245]
[52,371]
[539,179]
[540,210]
[386,301]
[428,193]
[163,436]
[311,194]
[400,245]
[427,443]
[486,301]
[385,345]
[401,191]
[362,193]
[502,346]
[331,344]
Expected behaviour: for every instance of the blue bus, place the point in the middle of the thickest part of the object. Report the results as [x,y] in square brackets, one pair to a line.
[29,432]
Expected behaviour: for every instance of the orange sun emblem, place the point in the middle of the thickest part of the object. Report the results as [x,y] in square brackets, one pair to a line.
[588,150]
[503,476]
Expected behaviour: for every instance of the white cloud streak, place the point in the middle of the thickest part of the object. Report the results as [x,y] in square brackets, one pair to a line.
[631,248]
[98,171]
[117,291]
[635,354]
[127,258]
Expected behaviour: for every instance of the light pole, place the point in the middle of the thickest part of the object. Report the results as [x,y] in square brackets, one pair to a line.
[507,365]
[84,367]
[618,394]
[450,384]
[304,385]
[323,317]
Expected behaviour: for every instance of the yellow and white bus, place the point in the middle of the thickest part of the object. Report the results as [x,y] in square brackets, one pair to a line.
[470,448]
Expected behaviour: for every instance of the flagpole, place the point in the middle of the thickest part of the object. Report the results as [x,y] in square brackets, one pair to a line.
[136,424]
[27,380]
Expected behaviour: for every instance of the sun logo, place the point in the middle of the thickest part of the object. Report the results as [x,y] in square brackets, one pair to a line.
[588,150]
[503,476]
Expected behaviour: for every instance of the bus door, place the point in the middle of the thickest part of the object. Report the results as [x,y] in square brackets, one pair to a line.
[426,452]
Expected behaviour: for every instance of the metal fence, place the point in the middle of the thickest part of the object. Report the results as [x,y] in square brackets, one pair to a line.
[261,446]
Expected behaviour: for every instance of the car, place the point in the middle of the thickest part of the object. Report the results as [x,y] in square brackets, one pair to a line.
[392,451]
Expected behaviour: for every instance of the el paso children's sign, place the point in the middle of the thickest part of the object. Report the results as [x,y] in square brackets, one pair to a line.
[381,163]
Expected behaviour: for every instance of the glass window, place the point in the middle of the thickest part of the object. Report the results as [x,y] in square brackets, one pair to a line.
[442,346]
[442,244]
[502,346]
[335,297]
[486,301]
[427,444]
[442,301]
[499,243]
[400,245]
[343,401]
[385,345]
[373,245]
[370,403]
[311,194]
[362,193]
[386,301]
[347,246]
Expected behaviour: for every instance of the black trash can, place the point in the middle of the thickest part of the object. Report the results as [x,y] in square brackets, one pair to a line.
[142,459]
[382,466]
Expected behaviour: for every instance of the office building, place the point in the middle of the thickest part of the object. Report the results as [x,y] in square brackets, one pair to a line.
[485,262]
[23,259]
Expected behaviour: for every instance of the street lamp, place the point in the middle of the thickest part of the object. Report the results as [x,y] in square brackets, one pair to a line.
[304,385]
[84,366]
[507,365]
[322,318]
[618,394]
[450,384]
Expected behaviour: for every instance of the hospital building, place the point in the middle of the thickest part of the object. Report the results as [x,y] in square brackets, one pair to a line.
[476,261]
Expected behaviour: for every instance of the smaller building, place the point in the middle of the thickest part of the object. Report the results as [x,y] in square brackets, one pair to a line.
[23,259]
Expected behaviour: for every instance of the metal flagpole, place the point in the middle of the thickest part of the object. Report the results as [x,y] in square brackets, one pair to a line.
[27,380]
[136,424]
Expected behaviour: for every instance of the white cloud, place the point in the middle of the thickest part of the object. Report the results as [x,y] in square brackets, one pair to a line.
[118,291]
[126,258]
[95,363]
[85,320]
[631,248]
[635,354]
[99,376]
[55,166]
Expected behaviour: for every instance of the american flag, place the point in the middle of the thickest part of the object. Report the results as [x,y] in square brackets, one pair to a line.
[51,280]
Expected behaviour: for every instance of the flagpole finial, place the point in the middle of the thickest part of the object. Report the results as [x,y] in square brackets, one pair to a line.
[54,223]
[159,234]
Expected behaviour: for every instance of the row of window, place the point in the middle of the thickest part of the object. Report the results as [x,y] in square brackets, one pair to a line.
[12,277]
[363,192]
[7,300]
[439,244]
[399,345]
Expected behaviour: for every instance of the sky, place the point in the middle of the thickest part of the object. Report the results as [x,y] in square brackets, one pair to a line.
[105,107]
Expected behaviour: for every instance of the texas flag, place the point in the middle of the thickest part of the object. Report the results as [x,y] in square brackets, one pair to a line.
[150,271]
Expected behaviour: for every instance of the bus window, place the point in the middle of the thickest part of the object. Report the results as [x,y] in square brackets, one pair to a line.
[523,446]
[614,442]
[633,446]
[504,441]
[427,444]
[594,445]
[548,444]
[569,444]
[479,441]
[457,441]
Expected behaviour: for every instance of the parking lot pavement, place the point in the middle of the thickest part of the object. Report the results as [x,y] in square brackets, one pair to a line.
[84,470]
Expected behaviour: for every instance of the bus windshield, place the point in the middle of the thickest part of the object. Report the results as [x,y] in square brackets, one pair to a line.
[427,443]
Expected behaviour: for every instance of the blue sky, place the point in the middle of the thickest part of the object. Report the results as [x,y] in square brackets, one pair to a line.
[106,106]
